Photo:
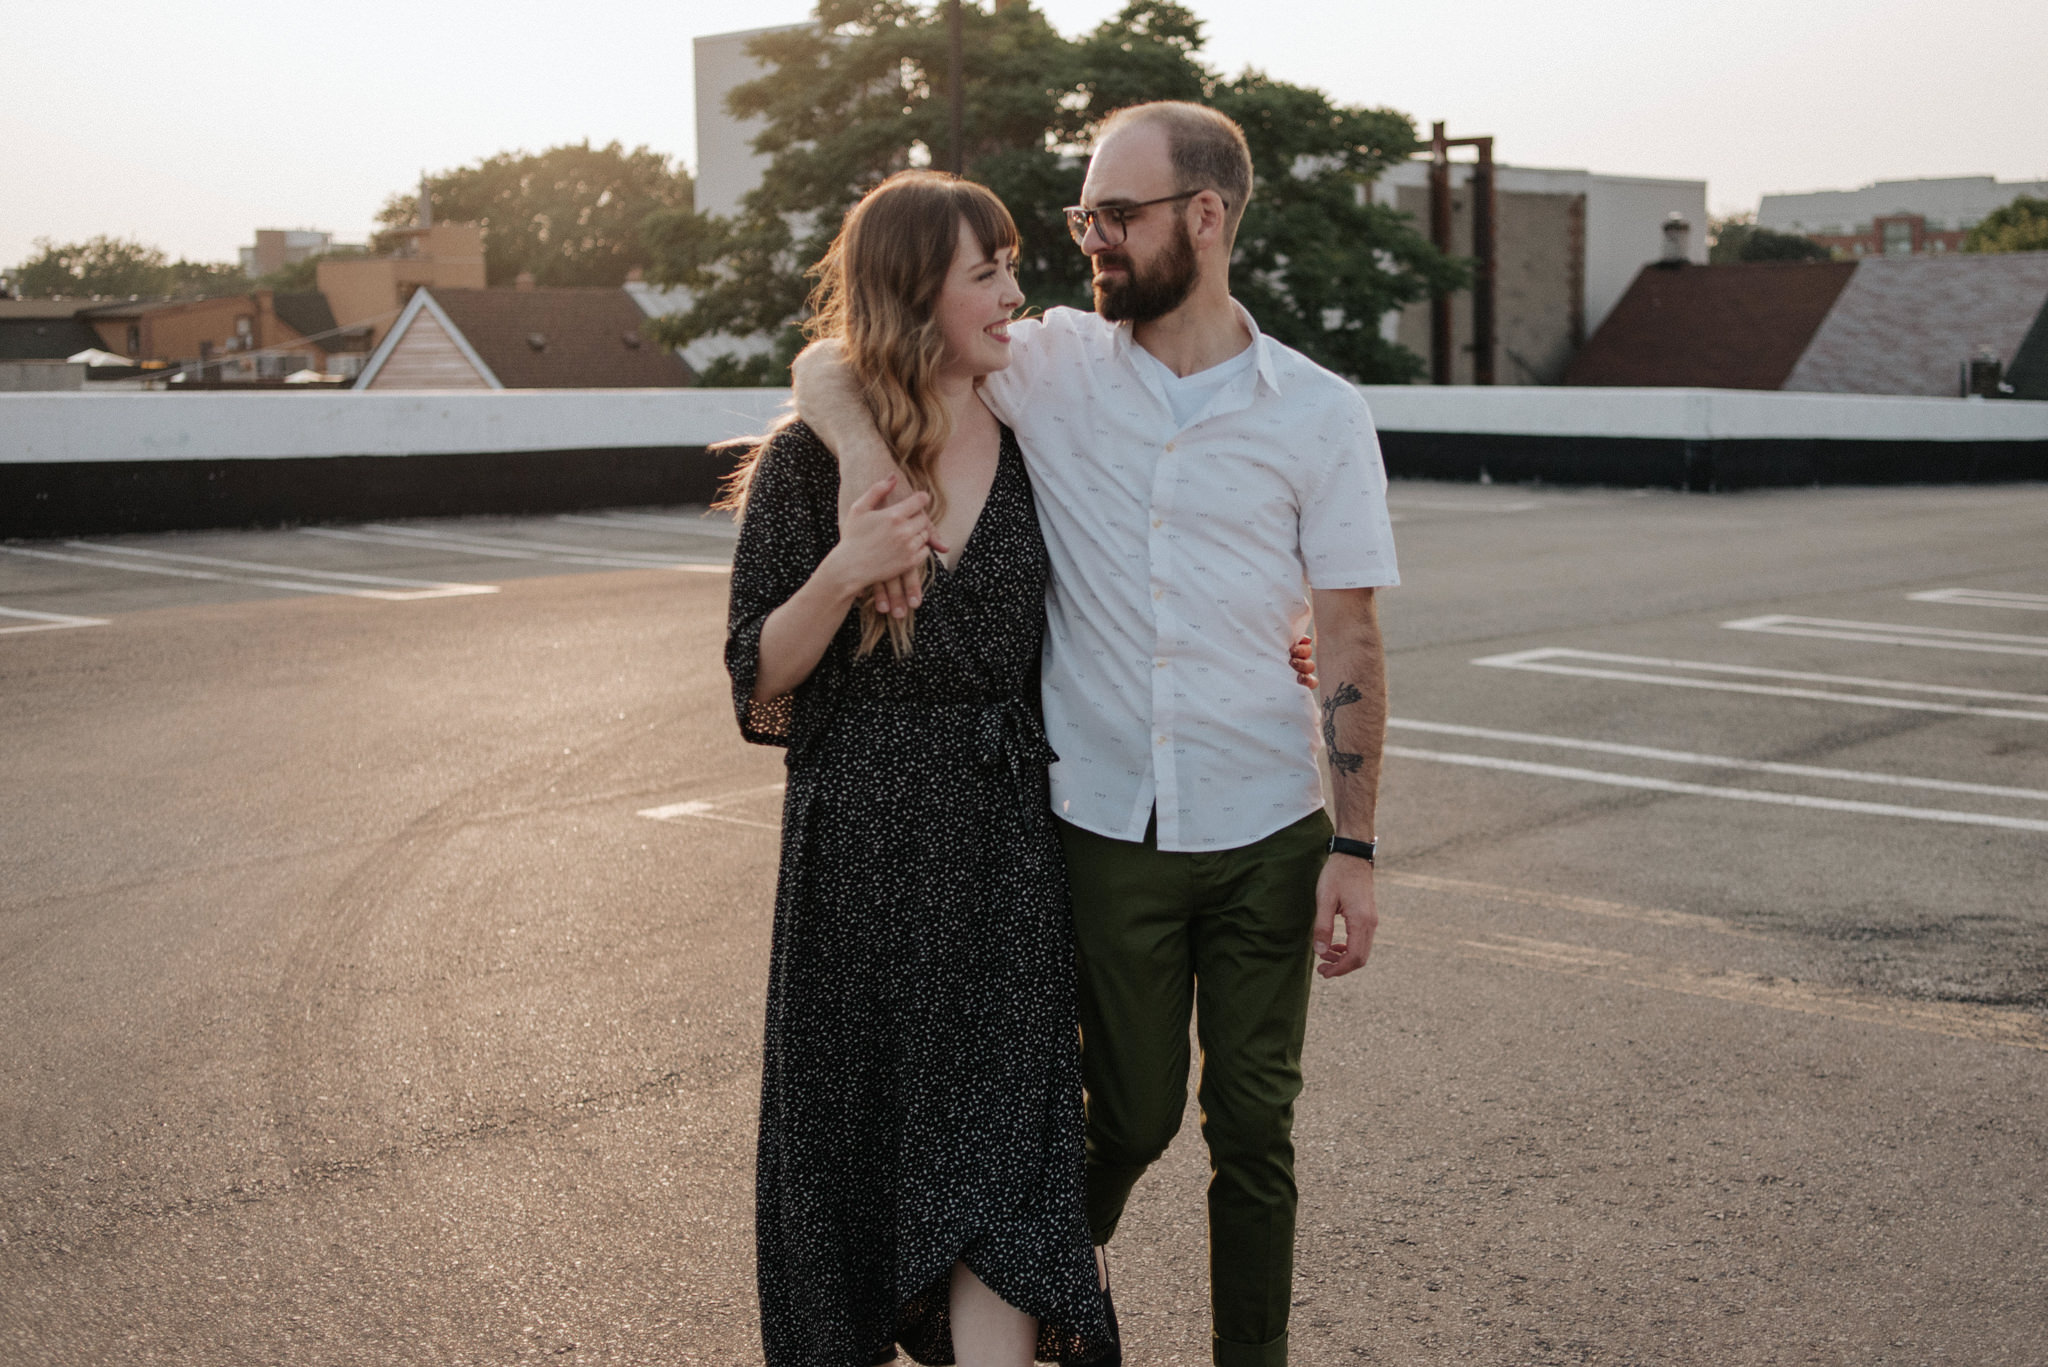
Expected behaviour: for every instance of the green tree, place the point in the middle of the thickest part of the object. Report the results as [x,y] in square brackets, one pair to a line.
[118,267]
[571,214]
[2021,226]
[862,94]
[1738,239]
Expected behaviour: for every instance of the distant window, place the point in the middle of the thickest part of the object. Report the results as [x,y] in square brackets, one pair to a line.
[134,340]
[1898,238]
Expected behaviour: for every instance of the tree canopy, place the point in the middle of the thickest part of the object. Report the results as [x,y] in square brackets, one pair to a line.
[571,215]
[2021,226]
[861,95]
[118,267]
[1740,239]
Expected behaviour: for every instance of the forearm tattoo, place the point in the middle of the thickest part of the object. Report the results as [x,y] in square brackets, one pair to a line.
[1343,761]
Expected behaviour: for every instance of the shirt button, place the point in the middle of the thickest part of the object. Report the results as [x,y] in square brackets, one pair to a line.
[1169,446]
[1159,522]
[1159,593]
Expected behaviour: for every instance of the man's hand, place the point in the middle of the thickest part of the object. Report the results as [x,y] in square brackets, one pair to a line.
[828,398]
[1344,889]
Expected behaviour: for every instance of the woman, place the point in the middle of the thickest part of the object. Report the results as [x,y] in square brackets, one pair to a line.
[919,1167]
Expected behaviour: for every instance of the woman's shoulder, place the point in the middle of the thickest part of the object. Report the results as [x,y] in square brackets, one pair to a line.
[794,457]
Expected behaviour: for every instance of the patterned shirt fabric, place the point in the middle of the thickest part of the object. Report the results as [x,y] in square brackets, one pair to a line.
[920,1090]
[1182,555]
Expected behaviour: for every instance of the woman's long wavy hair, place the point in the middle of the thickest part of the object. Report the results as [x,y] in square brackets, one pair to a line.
[877,292]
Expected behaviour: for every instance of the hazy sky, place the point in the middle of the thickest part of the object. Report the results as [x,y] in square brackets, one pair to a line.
[191,125]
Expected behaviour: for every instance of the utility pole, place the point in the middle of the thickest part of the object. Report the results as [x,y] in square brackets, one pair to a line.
[1485,254]
[956,142]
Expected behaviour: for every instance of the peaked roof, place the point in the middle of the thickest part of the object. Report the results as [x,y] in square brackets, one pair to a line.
[1742,326]
[307,313]
[561,338]
[1906,324]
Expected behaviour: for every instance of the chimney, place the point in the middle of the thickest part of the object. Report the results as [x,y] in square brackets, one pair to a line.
[523,280]
[1677,240]
[635,276]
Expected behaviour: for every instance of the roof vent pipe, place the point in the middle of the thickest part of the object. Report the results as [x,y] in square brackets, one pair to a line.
[1677,240]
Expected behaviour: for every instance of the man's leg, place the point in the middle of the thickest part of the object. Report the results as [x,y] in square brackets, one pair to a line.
[1253,971]
[1131,907]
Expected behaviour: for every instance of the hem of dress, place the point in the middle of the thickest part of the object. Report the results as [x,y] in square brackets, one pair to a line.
[1094,1349]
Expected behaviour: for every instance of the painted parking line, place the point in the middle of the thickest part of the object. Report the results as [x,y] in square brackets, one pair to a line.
[46,621]
[1686,757]
[708,524]
[1729,678]
[1756,795]
[708,809]
[1454,506]
[138,561]
[506,548]
[1893,634]
[1984,598]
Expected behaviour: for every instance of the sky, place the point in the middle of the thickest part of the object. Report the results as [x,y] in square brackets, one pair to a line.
[189,126]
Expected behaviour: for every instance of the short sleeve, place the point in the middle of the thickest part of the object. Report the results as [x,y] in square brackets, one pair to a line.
[1347,538]
[789,525]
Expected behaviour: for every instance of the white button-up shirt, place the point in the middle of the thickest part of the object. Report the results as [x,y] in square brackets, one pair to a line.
[1181,560]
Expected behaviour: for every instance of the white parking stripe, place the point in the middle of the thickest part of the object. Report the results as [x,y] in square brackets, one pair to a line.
[1550,660]
[600,559]
[1984,598]
[709,524]
[1718,761]
[1665,785]
[47,621]
[513,543]
[706,809]
[1894,634]
[111,558]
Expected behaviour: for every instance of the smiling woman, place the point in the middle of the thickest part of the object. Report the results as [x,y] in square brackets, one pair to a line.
[920,1159]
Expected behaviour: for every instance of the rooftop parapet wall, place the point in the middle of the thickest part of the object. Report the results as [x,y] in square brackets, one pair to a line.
[75,463]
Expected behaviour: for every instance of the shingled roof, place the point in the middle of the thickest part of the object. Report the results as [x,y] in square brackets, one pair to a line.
[1907,324]
[561,338]
[1717,327]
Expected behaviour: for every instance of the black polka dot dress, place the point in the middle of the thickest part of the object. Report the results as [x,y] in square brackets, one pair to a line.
[921,1087]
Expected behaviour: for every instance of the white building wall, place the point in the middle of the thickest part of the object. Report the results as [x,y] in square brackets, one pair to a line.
[1953,203]
[1624,218]
[727,164]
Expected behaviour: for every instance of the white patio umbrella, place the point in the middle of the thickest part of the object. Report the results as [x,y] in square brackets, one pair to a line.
[92,355]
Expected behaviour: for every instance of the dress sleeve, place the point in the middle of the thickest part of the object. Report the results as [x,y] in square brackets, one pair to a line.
[790,523]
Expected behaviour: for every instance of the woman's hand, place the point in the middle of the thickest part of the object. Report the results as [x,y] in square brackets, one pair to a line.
[878,543]
[1303,657]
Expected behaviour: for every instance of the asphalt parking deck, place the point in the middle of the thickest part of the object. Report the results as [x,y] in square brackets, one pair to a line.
[384,913]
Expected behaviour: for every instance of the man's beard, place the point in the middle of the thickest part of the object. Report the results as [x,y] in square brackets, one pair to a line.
[1141,296]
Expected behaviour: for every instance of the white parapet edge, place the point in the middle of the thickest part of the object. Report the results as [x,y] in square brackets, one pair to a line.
[134,426]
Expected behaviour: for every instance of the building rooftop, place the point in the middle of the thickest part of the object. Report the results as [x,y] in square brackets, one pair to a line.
[561,338]
[1719,327]
[1906,324]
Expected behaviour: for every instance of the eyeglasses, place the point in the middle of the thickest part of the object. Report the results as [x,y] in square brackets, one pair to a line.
[1112,222]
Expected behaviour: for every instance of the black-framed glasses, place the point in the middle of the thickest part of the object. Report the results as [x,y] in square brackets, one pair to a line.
[1112,222]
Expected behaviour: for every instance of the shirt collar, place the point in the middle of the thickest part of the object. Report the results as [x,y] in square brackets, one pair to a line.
[1262,348]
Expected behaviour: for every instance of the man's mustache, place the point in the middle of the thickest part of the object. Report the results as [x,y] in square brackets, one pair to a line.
[1118,259]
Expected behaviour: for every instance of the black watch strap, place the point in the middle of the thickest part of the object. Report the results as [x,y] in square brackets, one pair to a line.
[1361,849]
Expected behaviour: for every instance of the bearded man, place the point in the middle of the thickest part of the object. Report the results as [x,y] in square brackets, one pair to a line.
[1204,492]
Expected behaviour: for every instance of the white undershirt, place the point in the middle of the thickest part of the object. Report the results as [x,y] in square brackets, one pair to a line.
[1189,395]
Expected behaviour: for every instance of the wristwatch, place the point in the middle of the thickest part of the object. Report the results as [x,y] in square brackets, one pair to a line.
[1359,849]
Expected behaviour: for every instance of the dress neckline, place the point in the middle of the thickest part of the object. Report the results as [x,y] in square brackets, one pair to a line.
[1003,442]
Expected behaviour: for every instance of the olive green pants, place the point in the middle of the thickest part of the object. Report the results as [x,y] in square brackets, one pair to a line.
[1222,937]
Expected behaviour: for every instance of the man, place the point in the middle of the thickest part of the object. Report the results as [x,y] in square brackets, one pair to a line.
[1192,476]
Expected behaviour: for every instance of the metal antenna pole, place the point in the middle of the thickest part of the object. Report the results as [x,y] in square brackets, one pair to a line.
[956,144]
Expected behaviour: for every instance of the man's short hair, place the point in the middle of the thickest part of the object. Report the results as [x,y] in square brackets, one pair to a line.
[1208,150]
